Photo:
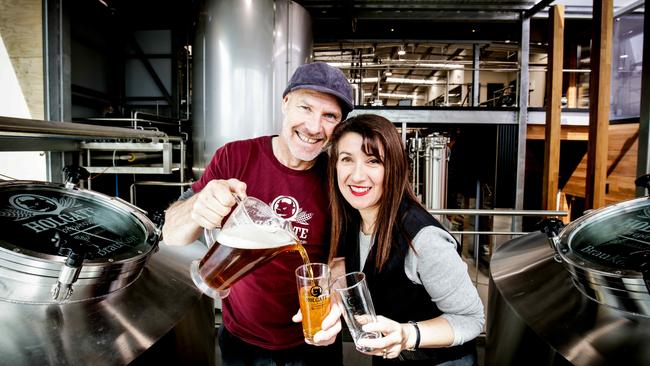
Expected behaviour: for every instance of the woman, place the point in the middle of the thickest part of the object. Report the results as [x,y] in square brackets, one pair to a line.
[429,311]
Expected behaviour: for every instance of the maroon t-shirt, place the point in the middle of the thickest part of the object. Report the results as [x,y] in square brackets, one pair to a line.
[260,305]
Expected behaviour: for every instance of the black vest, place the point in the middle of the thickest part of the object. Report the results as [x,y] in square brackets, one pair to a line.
[394,295]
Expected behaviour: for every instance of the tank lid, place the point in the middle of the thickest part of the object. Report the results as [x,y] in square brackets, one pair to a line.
[607,253]
[614,239]
[48,221]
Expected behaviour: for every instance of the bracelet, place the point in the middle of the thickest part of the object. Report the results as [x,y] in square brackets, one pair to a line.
[417,335]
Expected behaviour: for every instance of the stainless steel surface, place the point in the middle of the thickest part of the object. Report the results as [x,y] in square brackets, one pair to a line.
[237,51]
[537,316]
[436,157]
[292,48]
[120,328]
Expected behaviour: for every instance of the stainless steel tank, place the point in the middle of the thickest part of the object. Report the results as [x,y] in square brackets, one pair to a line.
[244,54]
[431,153]
[83,281]
[582,300]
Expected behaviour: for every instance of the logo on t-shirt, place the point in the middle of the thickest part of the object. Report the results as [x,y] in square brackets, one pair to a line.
[288,208]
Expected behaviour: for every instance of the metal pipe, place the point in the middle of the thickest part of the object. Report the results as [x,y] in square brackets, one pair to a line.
[498,212]
[18,127]
[475,232]
[476,224]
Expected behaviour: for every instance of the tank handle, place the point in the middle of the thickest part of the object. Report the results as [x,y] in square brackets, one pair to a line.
[643,181]
[73,174]
[552,227]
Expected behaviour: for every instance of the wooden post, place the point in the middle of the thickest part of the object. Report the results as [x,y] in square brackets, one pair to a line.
[571,78]
[553,108]
[599,95]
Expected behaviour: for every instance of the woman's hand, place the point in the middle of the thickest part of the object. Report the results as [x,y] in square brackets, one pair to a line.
[397,337]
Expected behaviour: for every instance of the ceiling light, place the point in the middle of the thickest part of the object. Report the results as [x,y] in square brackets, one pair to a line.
[364,80]
[399,96]
[409,81]
[401,51]
[388,73]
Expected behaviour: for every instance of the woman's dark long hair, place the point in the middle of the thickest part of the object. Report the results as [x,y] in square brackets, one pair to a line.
[377,133]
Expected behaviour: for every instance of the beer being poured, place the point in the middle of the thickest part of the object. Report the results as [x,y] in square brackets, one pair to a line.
[252,235]
[242,248]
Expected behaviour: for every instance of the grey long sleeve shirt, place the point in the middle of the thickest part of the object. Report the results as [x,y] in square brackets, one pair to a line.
[438,267]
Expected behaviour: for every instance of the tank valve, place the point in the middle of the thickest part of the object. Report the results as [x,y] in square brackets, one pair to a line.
[62,290]
[552,227]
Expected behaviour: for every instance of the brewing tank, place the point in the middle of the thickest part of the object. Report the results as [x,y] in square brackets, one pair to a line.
[243,56]
[84,282]
[577,295]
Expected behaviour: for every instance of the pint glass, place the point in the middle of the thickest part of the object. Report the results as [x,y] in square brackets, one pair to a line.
[252,235]
[314,296]
[356,305]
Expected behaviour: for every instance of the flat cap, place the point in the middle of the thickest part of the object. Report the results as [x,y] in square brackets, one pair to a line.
[324,78]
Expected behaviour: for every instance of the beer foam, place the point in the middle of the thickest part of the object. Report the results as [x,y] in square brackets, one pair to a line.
[253,236]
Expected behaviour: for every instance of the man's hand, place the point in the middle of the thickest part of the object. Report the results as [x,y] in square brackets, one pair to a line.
[215,201]
[185,220]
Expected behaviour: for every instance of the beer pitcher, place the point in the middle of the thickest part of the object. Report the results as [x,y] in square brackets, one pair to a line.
[250,237]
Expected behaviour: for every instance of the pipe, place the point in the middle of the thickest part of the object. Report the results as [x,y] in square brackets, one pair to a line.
[17,127]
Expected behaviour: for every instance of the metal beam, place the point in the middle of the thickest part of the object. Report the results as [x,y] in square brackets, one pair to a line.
[629,8]
[476,85]
[522,118]
[536,8]
[442,115]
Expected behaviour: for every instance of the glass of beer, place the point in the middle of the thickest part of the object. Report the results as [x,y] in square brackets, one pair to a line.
[314,296]
[250,237]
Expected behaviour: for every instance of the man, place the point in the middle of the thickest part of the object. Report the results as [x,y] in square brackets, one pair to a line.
[288,172]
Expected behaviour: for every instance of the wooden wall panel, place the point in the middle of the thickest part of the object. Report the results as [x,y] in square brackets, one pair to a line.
[21,30]
[621,166]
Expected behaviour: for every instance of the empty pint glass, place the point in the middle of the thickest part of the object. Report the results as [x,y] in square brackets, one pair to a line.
[314,296]
[356,305]
[252,235]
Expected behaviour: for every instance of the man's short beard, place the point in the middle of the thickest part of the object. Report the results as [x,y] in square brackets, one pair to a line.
[301,155]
